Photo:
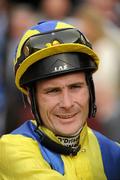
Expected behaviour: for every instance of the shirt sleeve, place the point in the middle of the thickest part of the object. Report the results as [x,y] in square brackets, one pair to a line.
[20,159]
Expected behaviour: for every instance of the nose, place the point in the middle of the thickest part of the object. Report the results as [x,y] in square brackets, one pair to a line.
[66,100]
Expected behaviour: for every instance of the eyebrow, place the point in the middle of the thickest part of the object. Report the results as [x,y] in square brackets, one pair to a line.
[57,87]
[76,83]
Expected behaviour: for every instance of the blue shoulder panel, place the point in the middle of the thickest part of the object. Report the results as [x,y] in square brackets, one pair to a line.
[54,159]
[45,27]
[111,156]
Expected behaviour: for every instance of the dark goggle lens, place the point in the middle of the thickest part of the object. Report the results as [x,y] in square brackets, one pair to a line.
[40,41]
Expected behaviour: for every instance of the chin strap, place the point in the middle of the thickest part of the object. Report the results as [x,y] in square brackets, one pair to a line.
[92,105]
[55,147]
[44,139]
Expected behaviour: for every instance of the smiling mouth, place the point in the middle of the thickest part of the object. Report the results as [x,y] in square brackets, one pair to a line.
[66,116]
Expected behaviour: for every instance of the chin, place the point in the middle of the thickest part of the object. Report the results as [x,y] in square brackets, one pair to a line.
[68,132]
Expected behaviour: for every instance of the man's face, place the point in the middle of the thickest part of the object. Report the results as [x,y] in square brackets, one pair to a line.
[63,103]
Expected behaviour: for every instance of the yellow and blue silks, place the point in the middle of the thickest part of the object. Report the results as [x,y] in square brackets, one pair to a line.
[23,157]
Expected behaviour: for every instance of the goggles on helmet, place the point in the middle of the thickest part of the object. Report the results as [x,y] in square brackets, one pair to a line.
[41,41]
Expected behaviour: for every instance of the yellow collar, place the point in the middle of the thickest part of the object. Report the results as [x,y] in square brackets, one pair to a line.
[49,133]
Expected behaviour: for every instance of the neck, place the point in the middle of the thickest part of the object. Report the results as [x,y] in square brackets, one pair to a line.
[70,141]
[62,144]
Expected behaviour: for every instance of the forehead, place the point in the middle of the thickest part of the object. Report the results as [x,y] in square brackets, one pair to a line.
[64,79]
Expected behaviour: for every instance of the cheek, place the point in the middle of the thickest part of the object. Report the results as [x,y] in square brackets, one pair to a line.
[83,97]
[42,105]
[86,100]
[43,110]
[46,105]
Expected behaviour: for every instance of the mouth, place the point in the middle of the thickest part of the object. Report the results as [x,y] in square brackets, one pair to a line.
[66,116]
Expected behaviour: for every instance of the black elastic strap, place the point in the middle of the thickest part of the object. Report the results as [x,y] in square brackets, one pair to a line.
[92,105]
[34,105]
[55,147]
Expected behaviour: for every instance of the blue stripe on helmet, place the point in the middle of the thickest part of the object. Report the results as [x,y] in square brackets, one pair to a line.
[45,26]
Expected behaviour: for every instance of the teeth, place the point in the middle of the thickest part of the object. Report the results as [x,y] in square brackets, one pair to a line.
[65,117]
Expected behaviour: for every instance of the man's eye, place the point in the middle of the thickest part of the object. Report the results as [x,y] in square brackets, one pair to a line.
[52,91]
[76,86]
